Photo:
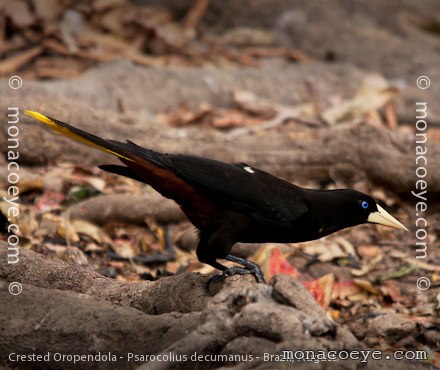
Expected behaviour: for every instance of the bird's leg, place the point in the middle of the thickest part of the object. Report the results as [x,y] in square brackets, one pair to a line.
[249,268]
[203,254]
[221,242]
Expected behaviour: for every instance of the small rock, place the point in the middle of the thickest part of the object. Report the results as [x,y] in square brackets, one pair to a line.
[392,327]
[290,292]
[345,336]
[359,329]
[432,338]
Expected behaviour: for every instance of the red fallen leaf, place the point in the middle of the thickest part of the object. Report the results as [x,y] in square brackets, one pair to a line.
[49,200]
[321,289]
[273,262]
[277,264]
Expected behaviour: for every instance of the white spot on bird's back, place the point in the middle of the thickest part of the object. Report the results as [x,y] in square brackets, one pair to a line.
[248,169]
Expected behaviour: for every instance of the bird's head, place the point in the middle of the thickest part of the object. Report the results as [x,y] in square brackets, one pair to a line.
[347,208]
[365,210]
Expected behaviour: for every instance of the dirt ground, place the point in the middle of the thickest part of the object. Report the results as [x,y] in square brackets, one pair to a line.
[321,93]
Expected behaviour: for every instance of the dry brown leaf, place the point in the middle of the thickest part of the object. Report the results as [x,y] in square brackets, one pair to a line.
[392,289]
[366,285]
[346,245]
[54,45]
[125,247]
[93,247]
[369,251]
[344,289]
[374,93]
[365,269]
[117,264]
[66,231]
[398,254]
[249,102]
[28,224]
[15,62]
[359,297]
[326,250]
[234,119]
[29,183]
[303,113]
[172,266]
[91,230]
[203,269]
[80,178]
[183,116]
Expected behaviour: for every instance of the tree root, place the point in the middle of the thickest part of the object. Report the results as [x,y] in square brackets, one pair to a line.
[69,309]
[127,208]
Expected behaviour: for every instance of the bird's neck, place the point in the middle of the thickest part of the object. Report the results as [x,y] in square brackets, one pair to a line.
[331,210]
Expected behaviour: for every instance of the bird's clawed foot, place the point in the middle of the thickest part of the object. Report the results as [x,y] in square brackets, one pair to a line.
[248,268]
[236,271]
[220,278]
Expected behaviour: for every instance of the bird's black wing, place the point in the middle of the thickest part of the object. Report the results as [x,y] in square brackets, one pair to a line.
[264,197]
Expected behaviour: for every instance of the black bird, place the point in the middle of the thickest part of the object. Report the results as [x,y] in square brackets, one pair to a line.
[230,203]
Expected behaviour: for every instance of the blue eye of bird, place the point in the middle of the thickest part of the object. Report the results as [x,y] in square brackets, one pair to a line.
[364,204]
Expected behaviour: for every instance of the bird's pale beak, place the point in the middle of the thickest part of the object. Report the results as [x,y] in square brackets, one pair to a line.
[382,217]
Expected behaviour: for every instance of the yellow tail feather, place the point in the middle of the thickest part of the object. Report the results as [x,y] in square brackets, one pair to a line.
[65,131]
